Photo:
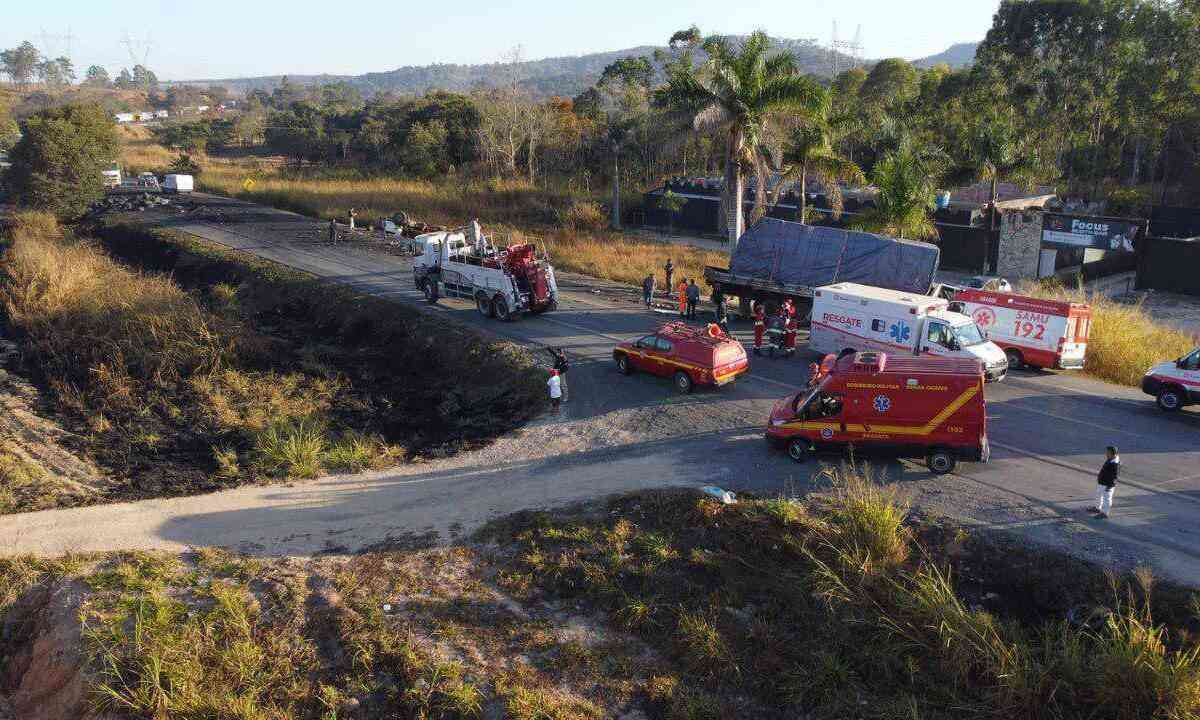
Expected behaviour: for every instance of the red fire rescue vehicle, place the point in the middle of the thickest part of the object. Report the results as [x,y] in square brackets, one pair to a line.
[907,406]
[692,356]
[1031,331]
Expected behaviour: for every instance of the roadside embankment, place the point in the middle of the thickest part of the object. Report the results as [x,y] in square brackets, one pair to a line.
[663,604]
[233,370]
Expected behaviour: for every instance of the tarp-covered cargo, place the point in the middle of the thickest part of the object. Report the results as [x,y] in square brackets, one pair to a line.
[788,253]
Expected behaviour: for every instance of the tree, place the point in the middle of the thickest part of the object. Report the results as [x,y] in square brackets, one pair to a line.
[124,80]
[57,163]
[671,202]
[737,91]
[995,151]
[905,197]
[424,151]
[144,78]
[21,63]
[57,72]
[891,82]
[97,76]
[810,152]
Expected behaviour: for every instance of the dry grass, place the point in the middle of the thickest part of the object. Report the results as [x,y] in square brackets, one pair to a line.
[1125,340]
[179,392]
[570,222]
[750,611]
[845,609]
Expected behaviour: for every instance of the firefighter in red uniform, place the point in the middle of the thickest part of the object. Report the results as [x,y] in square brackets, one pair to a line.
[789,337]
[760,326]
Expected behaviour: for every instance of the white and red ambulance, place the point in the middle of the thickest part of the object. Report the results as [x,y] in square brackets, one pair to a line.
[1175,384]
[1031,331]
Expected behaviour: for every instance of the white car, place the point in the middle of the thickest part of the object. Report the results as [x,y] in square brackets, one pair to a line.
[1175,384]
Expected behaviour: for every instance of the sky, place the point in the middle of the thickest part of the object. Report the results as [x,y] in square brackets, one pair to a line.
[202,39]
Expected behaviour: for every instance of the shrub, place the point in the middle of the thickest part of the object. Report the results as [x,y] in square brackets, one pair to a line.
[291,449]
[584,216]
[57,163]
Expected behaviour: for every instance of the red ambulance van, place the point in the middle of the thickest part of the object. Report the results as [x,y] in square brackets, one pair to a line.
[690,356]
[1031,331]
[902,405]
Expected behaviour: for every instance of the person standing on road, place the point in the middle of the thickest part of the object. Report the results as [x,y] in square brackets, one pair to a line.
[693,298]
[670,270]
[560,364]
[683,299]
[648,290]
[353,214]
[760,326]
[555,385]
[1106,482]
[332,230]
[721,311]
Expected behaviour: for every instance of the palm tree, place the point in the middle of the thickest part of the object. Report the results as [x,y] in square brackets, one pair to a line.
[810,152]
[994,151]
[906,184]
[737,91]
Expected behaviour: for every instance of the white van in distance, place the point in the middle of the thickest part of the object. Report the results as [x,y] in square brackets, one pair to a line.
[178,184]
[849,316]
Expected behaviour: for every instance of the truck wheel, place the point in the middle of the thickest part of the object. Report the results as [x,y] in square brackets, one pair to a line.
[484,305]
[623,364]
[799,450]
[1170,398]
[500,307]
[429,288]
[683,382]
[940,461]
[1016,361]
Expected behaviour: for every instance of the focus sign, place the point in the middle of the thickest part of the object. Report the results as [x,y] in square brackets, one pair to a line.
[1097,233]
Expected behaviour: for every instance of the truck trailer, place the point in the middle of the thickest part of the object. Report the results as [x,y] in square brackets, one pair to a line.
[776,260]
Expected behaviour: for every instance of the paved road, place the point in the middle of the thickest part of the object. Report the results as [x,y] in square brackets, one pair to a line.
[1048,432]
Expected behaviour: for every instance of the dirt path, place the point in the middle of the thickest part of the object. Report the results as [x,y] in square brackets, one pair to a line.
[617,434]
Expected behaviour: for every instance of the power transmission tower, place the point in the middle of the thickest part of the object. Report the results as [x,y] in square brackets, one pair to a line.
[850,48]
[833,51]
[133,46]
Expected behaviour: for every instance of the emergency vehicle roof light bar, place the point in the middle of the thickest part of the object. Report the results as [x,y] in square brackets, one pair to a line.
[870,361]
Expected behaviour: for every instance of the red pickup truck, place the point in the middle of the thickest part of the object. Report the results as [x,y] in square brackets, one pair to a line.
[691,356]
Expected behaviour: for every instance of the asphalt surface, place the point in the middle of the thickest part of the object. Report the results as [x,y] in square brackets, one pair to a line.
[1048,433]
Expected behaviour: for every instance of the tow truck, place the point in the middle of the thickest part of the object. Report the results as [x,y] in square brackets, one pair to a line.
[503,282]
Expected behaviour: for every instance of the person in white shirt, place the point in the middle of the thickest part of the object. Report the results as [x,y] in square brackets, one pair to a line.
[555,383]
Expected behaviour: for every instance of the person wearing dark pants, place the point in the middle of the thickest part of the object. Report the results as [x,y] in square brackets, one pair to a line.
[721,311]
[561,366]
[648,290]
[332,230]
[1106,482]
[669,269]
[693,299]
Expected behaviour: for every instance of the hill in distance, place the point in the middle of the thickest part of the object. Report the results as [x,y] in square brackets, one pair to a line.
[563,76]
